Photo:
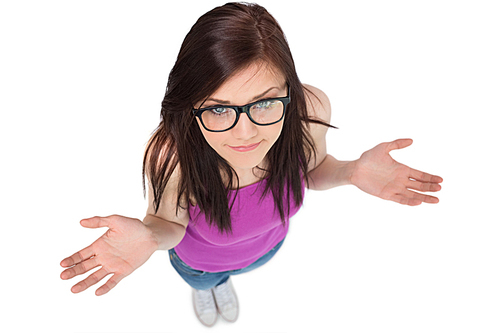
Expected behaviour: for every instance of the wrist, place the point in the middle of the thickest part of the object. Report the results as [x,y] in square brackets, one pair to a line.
[350,170]
[354,173]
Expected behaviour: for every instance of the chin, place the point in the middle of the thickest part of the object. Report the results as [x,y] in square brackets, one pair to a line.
[244,161]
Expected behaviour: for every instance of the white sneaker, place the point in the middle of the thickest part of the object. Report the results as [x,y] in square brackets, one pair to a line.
[204,306]
[227,302]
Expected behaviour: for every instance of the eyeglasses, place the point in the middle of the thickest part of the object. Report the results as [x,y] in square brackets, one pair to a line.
[222,118]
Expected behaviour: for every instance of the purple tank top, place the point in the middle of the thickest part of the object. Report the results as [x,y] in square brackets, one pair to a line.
[257,228]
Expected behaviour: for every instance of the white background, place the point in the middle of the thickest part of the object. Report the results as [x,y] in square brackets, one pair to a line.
[80,90]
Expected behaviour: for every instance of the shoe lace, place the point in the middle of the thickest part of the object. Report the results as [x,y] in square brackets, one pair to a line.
[204,301]
[224,295]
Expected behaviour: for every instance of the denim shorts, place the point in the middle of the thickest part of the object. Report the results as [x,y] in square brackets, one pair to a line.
[206,280]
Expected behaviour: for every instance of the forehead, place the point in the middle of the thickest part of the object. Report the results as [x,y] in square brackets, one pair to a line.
[251,81]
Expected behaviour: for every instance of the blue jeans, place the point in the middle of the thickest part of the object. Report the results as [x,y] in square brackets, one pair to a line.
[206,280]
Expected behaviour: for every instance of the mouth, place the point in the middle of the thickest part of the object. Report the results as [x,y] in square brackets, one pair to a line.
[245,148]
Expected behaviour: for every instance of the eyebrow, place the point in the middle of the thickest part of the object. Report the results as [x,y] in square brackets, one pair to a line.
[254,99]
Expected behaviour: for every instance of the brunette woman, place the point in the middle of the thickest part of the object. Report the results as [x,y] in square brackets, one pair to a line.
[239,140]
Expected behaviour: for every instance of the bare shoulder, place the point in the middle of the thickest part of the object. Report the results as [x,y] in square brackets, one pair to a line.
[318,103]
[168,209]
[318,107]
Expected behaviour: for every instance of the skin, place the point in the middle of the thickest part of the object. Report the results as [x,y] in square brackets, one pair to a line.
[128,242]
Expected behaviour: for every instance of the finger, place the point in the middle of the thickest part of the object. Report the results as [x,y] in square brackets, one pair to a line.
[411,198]
[430,199]
[79,269]
[424,177]
[404,200]
[110,284]
[78,257]
[423,187]
[89,281]
[95,222]
[399,144]
[418,198]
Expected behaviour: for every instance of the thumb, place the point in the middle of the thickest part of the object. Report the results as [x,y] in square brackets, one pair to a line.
[399,144]
[95,222]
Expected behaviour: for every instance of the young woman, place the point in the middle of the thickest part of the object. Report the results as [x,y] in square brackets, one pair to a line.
[240,139]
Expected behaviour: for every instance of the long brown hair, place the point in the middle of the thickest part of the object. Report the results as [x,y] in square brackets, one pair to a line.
[222,42]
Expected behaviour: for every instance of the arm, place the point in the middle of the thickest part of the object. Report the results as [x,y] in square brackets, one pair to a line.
[325,171]
[166,234]
[375,172]
[167,225]
[331,173]
[128,243]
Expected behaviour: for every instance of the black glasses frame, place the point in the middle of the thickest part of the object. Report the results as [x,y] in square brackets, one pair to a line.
[244,109]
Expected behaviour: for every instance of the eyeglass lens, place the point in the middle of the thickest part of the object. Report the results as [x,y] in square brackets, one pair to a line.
[222,118]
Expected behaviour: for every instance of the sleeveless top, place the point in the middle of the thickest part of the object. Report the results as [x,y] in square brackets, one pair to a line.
[256,229]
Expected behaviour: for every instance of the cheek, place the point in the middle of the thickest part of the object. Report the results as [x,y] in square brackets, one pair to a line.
[274,131]
[214,140]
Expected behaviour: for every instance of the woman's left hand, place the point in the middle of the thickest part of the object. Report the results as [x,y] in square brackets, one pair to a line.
[377,173]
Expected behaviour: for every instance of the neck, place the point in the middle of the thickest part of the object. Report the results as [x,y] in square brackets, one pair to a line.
[250,176]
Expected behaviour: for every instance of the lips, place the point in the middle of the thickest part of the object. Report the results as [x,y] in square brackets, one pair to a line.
[245,148]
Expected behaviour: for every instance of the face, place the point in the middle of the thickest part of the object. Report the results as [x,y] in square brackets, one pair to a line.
[245,145]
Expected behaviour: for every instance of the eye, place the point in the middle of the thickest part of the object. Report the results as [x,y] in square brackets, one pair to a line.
[265,104]
[219,111]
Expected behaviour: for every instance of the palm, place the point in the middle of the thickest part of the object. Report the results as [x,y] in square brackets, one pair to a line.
[123,248]
[377,173]
[118,246]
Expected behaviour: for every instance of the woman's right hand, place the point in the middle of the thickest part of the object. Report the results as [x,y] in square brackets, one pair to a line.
[126,245]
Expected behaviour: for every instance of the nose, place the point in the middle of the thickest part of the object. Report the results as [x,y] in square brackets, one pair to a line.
[244,128]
